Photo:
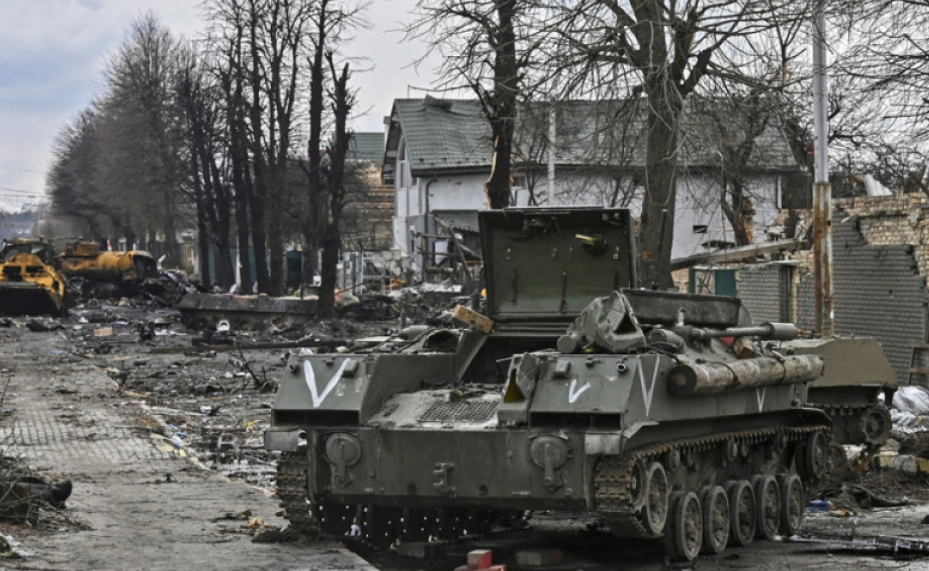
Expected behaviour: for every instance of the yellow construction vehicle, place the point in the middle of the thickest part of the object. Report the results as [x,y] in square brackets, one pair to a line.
[29,282]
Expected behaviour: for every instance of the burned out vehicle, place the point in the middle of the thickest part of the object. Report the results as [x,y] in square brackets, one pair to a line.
[665,414]
[29,281]
[87,260]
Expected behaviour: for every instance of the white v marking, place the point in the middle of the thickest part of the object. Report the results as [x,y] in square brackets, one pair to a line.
[310,377]
[761,393]
[574,395]
[647,392]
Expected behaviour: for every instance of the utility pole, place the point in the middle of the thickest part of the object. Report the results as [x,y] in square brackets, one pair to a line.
[822,190]
[552,134]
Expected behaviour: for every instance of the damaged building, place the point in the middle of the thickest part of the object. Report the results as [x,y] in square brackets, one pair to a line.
[439,152]
[881,252]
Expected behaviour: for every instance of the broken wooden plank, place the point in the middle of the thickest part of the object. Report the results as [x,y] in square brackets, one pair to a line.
[474,319]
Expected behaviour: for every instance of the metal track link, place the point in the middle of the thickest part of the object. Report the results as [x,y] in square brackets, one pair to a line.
[613,475]
[291,489]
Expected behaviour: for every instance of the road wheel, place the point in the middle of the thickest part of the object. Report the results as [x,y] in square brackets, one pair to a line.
[875,425]
[793,501]
[767,506]
[816,455]
[684,534]
[715,519]
[655,510]
[742,512]
[637,485]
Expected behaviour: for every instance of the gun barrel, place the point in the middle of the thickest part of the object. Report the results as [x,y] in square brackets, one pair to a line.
[774,331]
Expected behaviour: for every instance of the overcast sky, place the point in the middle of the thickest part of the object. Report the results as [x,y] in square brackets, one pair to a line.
[51,54]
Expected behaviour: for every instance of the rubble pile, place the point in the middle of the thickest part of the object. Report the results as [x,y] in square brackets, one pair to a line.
[206,394]
[163,290]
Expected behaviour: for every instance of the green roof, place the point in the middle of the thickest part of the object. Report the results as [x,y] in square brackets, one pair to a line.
[444,135]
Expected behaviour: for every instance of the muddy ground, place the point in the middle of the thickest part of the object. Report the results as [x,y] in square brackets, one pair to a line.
[162,441]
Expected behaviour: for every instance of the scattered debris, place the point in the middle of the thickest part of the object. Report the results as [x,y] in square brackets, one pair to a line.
[896,546]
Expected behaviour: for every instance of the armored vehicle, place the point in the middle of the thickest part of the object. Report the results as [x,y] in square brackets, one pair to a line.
[856,388]
[87,260]
[666,414]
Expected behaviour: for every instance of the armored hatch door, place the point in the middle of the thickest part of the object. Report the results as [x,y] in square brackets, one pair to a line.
[547,264]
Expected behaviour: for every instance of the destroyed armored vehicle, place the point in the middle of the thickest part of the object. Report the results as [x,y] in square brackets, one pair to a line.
[856,388]
[29,282]
[87,260]
[665,414]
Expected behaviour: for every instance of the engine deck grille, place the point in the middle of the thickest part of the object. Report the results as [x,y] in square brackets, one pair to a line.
[463,411]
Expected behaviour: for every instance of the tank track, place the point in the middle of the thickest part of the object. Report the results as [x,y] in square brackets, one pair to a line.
[291,490]
[613,475]
[856,411]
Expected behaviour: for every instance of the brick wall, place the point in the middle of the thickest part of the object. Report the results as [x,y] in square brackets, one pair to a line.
[879,290]
[765,290]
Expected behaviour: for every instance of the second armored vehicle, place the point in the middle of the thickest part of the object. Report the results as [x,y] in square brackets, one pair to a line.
[856,388]
[662,413]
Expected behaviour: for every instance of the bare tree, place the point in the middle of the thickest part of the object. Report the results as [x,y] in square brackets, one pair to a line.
[70,181]
[227,42]
[343,101]
[486,46]
[208,154]
[141,161]
[333,21]
[658,50]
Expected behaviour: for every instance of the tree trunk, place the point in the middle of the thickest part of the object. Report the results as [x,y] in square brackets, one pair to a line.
[315,221]
[259,241]
[660,195]
[225,275]
[309,259]
[203,248]
[241,216]
[152,239]
[328,271]
[740,212]
[275,217]
[499,184]
[172,249]
[501,107]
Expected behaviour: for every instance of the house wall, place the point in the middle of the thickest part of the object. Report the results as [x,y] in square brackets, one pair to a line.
[698,205]
[699,218]
[695,206]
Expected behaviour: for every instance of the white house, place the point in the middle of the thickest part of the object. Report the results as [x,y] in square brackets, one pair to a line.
[438,156]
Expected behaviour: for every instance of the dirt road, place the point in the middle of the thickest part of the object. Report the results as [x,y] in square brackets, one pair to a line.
[147,507]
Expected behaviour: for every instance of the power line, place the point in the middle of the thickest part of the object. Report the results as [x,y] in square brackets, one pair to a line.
[21,170]
[22,191]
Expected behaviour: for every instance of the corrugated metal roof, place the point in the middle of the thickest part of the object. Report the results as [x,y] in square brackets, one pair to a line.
[443,135]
